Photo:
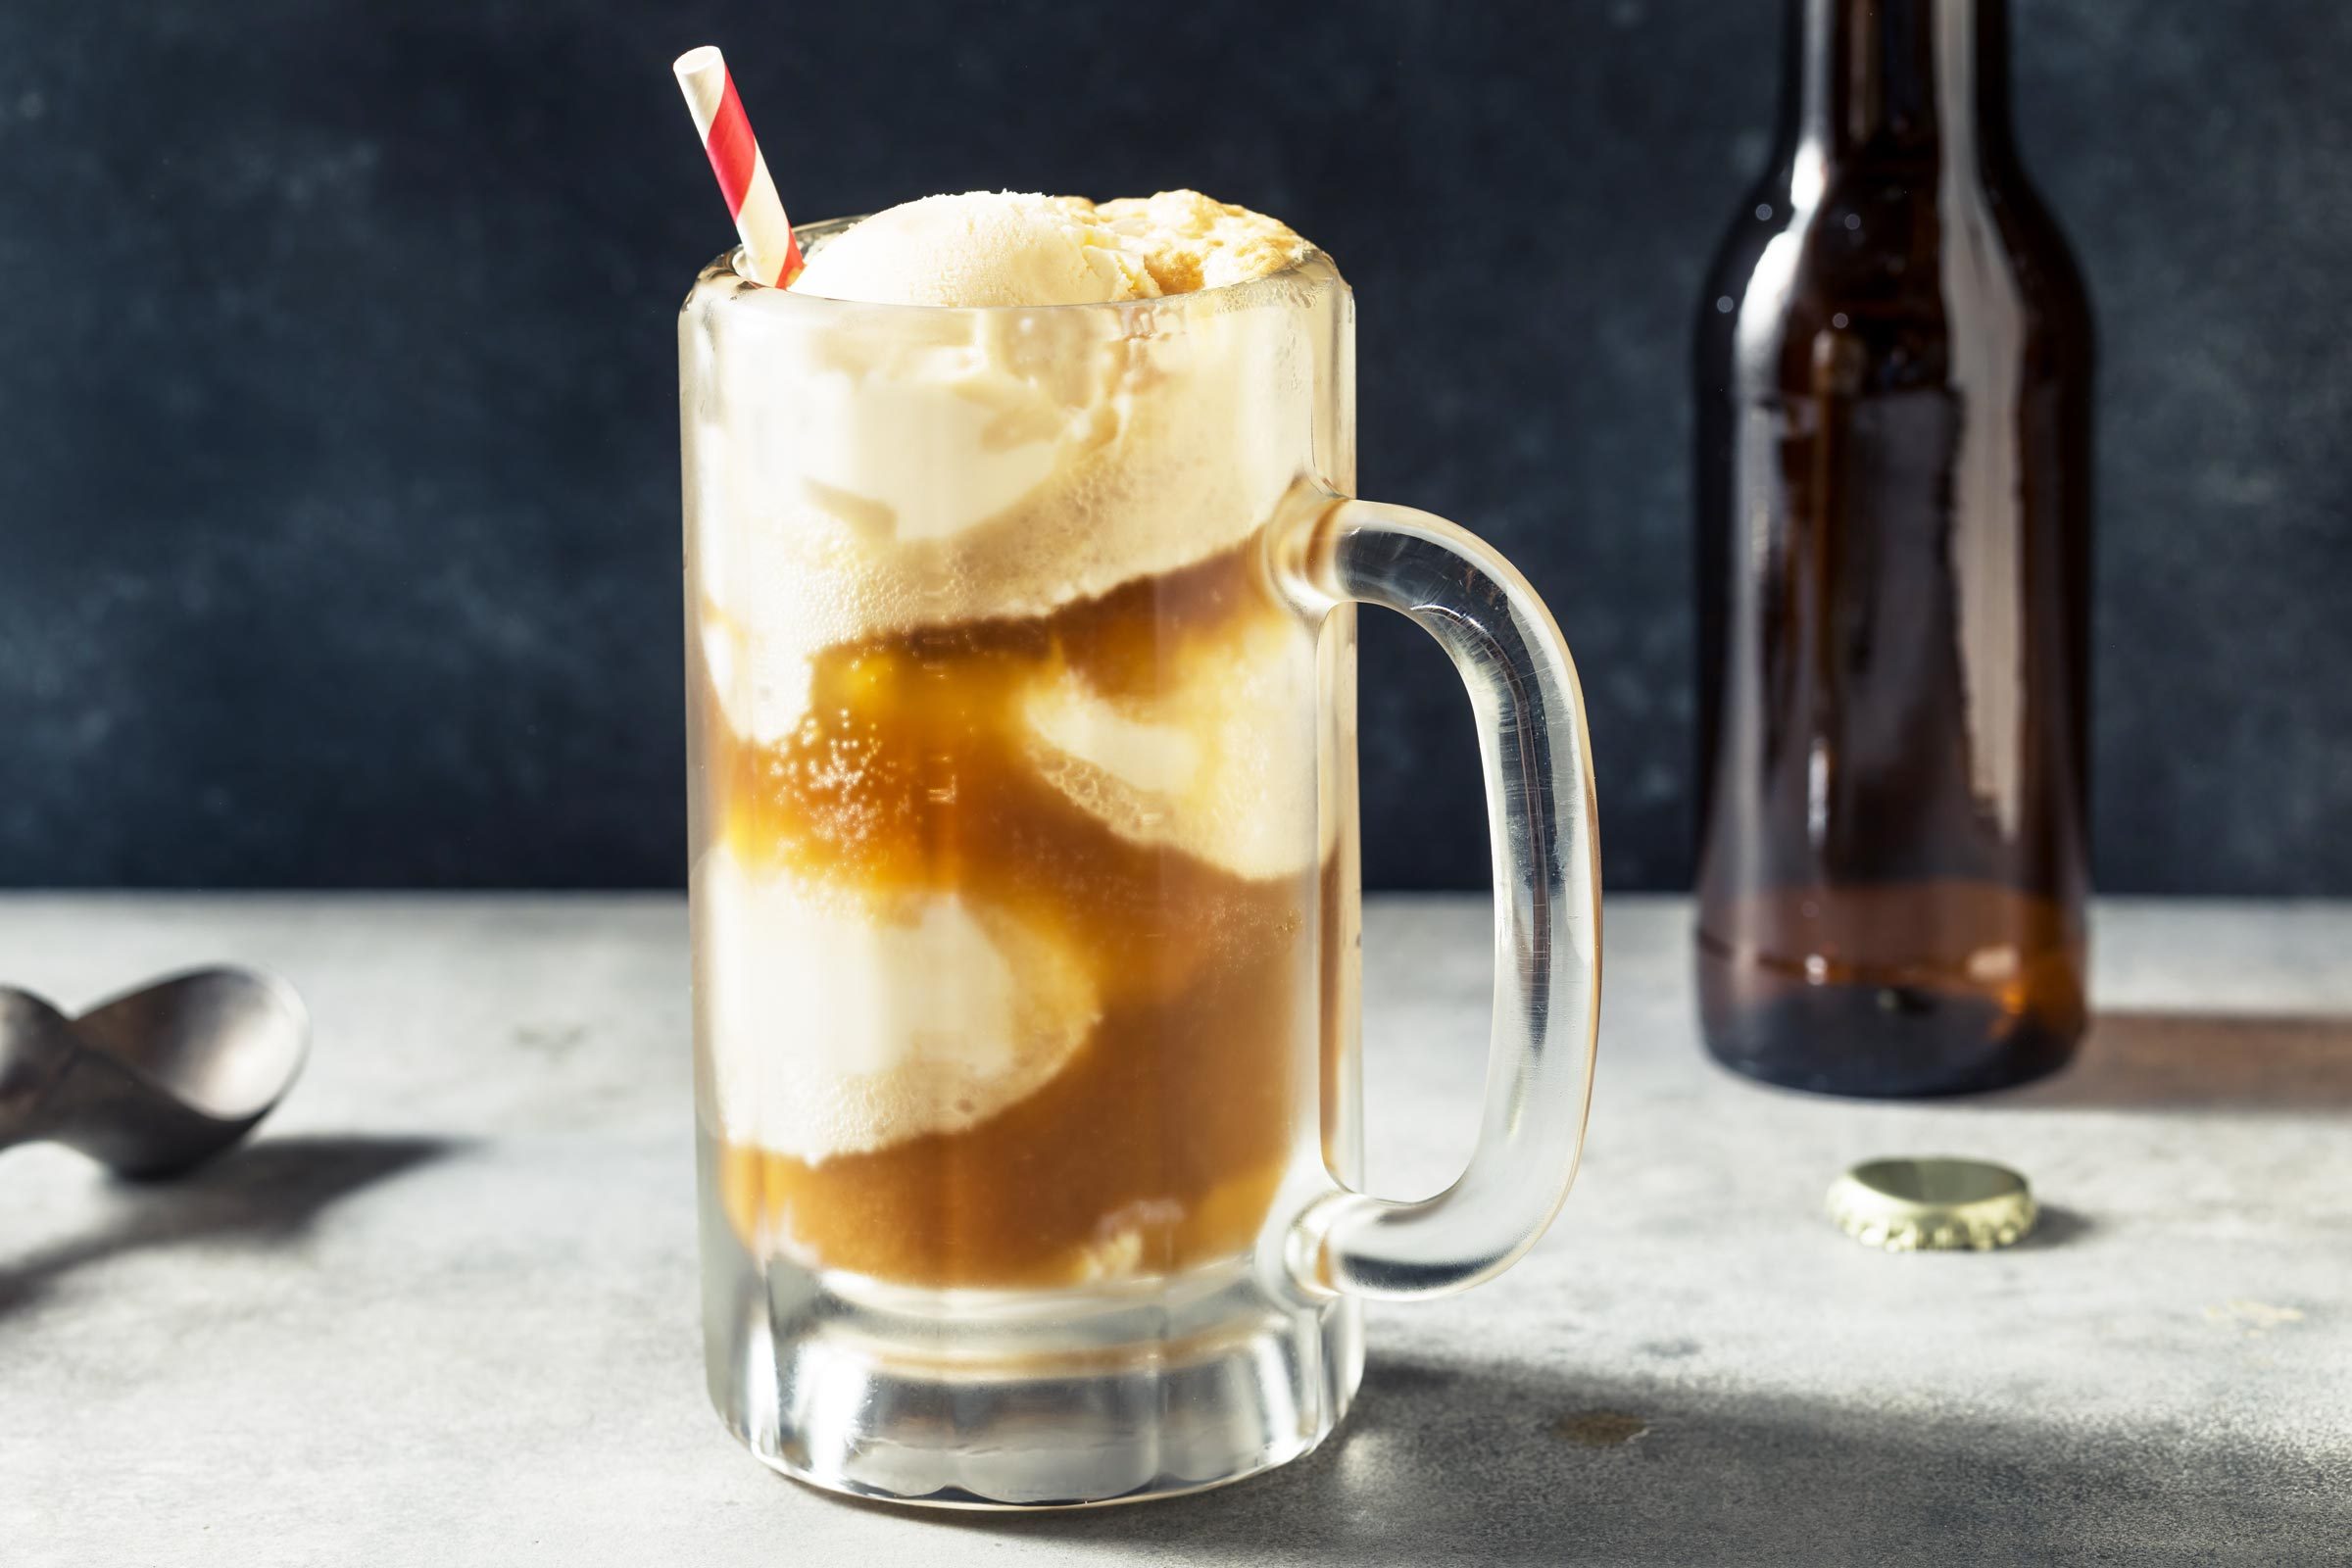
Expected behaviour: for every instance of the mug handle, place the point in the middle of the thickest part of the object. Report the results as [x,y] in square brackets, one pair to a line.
[1545,834]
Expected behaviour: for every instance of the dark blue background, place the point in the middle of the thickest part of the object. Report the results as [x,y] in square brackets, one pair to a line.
[338,483]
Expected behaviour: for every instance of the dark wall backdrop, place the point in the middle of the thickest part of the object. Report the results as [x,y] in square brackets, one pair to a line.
[339,478]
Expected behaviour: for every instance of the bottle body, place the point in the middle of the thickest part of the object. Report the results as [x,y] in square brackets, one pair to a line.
[1893,561]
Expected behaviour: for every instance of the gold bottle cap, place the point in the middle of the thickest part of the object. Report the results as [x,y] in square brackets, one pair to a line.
[1908,1206]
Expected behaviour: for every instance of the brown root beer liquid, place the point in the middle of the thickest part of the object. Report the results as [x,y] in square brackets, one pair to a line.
[1158,1142]
[1894,559]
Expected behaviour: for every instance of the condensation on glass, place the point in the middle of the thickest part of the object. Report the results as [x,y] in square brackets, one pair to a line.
[1024,878]
[1893,474]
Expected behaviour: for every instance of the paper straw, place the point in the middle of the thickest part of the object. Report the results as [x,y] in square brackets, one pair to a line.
[768,243]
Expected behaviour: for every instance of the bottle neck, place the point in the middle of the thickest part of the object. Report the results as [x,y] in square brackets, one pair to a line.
[1919,76]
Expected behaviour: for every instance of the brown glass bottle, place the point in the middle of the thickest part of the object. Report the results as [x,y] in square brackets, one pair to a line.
[1893,425]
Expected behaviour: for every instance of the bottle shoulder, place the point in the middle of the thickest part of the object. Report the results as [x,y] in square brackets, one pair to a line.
[2049,273]
[1876,264]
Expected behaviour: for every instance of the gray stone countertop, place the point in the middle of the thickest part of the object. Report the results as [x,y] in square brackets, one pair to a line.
[443,1310]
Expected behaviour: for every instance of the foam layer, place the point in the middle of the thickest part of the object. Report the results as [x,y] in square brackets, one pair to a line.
[977,466]
[858,472]
[1189,241]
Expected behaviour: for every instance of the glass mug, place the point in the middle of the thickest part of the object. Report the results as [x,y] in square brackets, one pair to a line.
[1021,661]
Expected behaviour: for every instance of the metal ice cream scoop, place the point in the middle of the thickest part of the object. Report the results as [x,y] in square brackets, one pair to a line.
[157,1080]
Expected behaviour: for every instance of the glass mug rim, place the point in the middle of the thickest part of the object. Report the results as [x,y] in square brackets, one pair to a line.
[1313,265]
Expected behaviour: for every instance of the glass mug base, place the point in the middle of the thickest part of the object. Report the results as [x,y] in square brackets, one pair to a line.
[964,1399]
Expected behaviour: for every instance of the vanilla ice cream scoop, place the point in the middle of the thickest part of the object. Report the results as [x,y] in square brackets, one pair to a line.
[1210,762]
[994,248]
[980,248]
[845,1025]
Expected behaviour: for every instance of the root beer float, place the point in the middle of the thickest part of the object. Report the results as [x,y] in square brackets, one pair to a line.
[1010,873]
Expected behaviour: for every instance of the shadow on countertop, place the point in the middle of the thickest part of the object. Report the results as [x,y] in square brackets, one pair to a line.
[2232,1062]
[267,1192]
[1462,1463]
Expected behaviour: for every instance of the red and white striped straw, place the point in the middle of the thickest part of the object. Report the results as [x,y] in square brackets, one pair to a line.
[735,158]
